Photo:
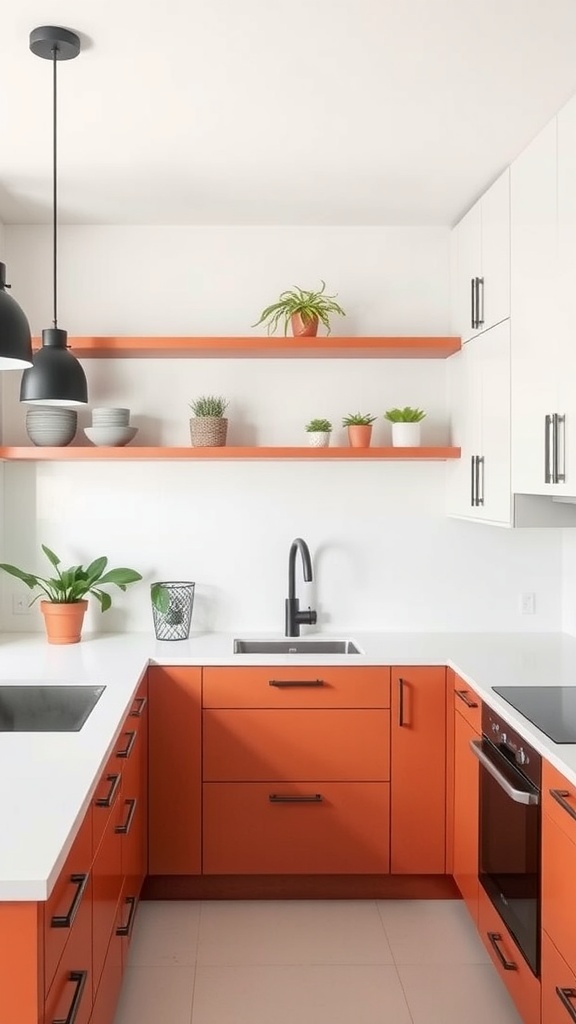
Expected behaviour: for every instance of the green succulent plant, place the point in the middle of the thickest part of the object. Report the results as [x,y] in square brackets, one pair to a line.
[73,584]
[318,426]
[209,405]
[358,419]
[405,415]
[309,305]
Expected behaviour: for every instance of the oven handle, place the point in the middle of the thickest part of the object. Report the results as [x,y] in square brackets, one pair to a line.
[520,796]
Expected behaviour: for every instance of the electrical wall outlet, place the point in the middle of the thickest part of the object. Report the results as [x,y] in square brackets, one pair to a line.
[20,604]
[528,603]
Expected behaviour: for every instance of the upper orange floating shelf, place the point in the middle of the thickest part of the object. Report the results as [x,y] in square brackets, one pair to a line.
[267,347]
[133,452]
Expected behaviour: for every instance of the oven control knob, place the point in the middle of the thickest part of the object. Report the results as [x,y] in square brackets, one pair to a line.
[503,737]
[495,727]
[521,756]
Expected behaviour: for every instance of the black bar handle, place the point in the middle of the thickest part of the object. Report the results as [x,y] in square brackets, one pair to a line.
[480,294]
[547,466]
[400,702]
[494,938]
[480,486]
[279,798]
[123,830]
[67,920]
[137,711]
[559,476]
[79,979]
[464,698]
[125,929]
[565,995]
[108,800]
[473,303]
[473,480]
[284,684]
[127,750]
[559,795]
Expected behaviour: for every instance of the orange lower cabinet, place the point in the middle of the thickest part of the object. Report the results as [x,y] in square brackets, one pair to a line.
[111,976]
[71,888]
[558,986]
[296,828]
[465,815]
[106,887]
[523,987]
[418,771]
[21,963]
[71,993]
[559,888]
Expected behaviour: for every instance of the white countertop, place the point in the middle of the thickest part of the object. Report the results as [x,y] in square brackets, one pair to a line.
[47,779]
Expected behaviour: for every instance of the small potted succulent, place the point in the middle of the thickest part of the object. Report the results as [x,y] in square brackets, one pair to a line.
[359,429]
[301,309]
[208,426]
[65,606]
[405,426]
[319,433]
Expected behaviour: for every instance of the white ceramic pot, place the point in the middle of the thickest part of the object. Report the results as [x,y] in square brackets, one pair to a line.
[318,438]
[406,435]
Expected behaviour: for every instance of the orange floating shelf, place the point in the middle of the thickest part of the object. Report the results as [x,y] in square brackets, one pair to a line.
[264,347]
[134,453]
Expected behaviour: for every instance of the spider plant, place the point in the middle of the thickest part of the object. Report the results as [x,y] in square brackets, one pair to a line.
[310,306]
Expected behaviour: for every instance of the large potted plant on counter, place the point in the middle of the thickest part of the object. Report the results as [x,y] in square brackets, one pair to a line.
[302,310]
[65,603]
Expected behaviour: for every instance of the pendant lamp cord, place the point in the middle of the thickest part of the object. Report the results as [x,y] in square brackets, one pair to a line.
[54,188]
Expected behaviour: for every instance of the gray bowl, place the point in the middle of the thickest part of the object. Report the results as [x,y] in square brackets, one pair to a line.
[51,427]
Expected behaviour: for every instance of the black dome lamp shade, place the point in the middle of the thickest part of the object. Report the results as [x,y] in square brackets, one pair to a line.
[55,377]
[15,342]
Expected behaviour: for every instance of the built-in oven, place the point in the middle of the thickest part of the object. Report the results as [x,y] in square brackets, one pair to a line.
[509,832]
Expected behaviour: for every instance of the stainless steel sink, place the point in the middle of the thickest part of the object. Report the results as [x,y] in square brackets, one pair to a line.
[50,708]
[296,645]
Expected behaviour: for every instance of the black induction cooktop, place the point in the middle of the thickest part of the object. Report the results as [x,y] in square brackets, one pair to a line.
[552,709]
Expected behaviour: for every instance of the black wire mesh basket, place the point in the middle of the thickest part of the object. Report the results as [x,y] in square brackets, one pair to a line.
[172,605]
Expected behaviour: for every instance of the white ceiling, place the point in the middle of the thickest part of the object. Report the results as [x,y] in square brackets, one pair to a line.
[277,111]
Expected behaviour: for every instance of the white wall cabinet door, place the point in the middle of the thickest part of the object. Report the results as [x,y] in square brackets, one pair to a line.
[463,403]
[468,261]
[534,313]
[566,336]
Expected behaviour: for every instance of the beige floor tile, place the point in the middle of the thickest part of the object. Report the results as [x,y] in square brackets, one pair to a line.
[431,932]
[156,994]
[292,932]
[470,993]
[165,933]
[299,995]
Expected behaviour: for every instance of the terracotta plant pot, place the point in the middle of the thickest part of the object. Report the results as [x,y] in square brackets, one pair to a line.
[63,621]
[303,328]
[359,435]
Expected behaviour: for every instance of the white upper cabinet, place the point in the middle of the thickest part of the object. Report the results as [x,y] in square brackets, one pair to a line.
[478,485]
[481,263]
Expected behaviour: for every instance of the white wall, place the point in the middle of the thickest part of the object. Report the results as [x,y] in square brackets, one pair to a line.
[385,555]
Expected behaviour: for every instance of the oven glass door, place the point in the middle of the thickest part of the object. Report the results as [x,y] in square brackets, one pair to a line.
[509,848]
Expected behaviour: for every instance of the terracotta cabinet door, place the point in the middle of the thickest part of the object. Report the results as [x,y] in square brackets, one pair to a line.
[175,766]
[558,986]
[466,780]
[418,771]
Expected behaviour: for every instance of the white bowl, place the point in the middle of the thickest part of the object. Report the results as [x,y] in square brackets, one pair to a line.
[106,417]
[110,436]
[51,426]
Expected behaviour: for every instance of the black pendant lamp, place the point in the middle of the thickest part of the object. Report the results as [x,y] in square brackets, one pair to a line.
[55,377]
[15,341]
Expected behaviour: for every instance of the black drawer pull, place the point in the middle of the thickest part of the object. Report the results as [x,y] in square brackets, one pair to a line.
[463,697]
[125,929]
[108,800]
[401,702]
[127,750]
[123,830]
[285,683]
[494,938]
[565,995]
[79,979]
[137,711]
[279,798]
[66,920]
[559,795]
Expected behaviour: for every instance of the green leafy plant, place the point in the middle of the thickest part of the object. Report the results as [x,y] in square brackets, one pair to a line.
[160,597]
[309,305]
[319,426]
[358,419]
[73,584]
[405,415]
[209,405]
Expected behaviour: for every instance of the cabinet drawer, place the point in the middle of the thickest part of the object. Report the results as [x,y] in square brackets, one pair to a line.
[559,799]
[467,703]
[296,744]
[106,888]
[523,987]
[558,984]
[105,799]
[298,687]
[330,828]
[111,978]
[71,889]
[559,888]
[70,995]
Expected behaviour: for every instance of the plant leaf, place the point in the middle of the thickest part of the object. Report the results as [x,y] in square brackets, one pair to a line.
[51,556]
[121,577]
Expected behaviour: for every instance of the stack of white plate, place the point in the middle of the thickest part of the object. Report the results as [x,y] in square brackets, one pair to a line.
[110,427]
[48,426]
